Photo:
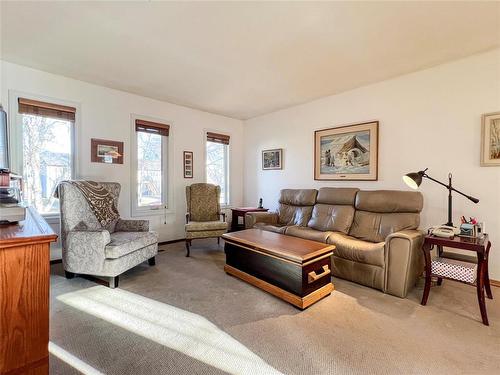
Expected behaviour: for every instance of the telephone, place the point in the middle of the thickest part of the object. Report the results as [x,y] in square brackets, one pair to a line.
[444,231]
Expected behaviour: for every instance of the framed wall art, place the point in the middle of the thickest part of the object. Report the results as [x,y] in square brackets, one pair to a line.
[490,140]
[188,164]
[105,151]
[347,152]
[272,159]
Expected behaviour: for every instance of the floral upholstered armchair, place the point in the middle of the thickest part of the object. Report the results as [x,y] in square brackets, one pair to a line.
[95,240]
[203,217]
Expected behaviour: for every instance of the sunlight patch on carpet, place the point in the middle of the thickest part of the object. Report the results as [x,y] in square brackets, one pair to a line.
[180,330]
[71,360]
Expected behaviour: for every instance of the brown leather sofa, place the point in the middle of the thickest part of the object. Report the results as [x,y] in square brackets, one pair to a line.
[375,232]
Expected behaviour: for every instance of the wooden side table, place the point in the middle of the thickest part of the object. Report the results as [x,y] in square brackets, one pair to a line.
[463,268]
[240,212]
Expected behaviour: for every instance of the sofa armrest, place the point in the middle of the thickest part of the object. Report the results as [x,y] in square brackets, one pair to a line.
[132,225]
[84,248]
[404,261]
[252,218]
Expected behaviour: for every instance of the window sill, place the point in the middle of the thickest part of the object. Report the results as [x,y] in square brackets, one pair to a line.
[152,212]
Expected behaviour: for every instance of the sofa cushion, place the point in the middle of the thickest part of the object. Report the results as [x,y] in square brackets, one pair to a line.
[343,196]
[296,206]
[359,251]
[308,233]
[375,227]
[195,226]
[389,201]
[123,243]
[298,197]
[294,215]
[327,217]
[278,228]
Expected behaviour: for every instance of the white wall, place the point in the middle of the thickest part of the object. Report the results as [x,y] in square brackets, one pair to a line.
[105,113]
[431,118]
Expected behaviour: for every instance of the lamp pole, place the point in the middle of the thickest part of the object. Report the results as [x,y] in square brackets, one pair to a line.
[450,188]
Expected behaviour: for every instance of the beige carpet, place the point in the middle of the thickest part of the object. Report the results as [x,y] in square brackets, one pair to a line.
[356,330]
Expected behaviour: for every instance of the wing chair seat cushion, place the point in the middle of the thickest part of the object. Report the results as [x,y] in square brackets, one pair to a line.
[359,251]
[123,243]
[195,226]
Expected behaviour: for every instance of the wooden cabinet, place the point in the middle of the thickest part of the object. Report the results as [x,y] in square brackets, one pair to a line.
[24,295]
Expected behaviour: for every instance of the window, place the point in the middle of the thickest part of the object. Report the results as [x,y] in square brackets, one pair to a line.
[217,163]
[47,151]
[150,192]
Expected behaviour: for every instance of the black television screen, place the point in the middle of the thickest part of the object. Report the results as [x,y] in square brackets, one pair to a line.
[4,141]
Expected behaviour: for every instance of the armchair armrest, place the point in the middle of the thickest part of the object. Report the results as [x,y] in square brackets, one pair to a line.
[404,261]
[132,225]
[84,250]
[252,218]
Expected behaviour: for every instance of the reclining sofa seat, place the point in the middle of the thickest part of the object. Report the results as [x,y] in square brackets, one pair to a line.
[375,234]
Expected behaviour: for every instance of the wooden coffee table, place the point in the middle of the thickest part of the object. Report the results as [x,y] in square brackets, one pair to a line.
[293,269]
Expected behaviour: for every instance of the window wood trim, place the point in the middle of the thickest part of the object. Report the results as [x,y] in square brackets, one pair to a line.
[45,109]
[218,138]
[152,127]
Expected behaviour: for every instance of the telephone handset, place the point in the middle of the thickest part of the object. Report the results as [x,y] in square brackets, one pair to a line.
[444,231]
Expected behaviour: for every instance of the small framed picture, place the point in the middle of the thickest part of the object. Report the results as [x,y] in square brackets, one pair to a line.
[272,159]
[490,140]
[105,151]
[188,164]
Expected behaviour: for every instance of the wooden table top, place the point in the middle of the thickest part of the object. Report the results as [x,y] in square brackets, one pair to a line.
[33,229]
[458,242]
[249,209]
[287,247]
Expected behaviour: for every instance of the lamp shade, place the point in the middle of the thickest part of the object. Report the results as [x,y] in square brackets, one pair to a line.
[413,179]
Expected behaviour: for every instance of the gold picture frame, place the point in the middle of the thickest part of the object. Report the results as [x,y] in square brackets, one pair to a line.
[490,140]
[348,152]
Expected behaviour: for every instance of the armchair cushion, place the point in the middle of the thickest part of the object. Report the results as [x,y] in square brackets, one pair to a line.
[123,243]
[132,225]
[195,226]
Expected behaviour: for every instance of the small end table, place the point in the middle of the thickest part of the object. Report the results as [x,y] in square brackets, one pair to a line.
[240,212]
[458,267]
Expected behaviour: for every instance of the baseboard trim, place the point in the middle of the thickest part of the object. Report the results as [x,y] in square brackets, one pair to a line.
[495,283]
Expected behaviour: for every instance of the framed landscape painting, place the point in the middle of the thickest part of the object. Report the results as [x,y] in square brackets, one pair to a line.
[490,140]
[106,151]
[272,159]
[347,152]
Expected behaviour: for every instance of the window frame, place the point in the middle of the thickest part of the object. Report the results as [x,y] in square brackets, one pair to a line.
[166,167]
[15,136]
[227,157]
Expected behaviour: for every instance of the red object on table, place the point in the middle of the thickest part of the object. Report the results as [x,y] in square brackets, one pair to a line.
[240,212]
[481,248]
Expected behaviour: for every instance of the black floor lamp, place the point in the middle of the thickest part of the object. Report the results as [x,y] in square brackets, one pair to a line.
[414,180]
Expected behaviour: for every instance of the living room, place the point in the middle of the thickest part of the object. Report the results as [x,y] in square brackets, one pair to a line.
[251,97]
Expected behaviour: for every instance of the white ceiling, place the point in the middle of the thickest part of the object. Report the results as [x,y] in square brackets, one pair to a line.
[242,59]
